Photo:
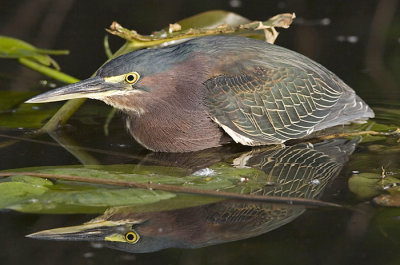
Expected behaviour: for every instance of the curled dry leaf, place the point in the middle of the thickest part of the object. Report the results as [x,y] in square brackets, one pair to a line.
[177,32]
[174,27]
[282,20]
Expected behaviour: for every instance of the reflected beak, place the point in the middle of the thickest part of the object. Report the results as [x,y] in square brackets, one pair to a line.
[94,87]
[96,231]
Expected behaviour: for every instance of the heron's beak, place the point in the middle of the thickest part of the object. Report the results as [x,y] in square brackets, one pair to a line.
[94,87]
[96,231]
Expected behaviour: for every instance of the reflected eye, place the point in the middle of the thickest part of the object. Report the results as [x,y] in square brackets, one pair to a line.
[131,78]
[131,237]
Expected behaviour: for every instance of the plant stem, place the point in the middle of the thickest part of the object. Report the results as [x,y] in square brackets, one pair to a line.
[52,52]
[69,108]
[48,71]
[62,115]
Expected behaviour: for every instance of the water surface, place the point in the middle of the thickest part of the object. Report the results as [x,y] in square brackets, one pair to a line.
[357,40]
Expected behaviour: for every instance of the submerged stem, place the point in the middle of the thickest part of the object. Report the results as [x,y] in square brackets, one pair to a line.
[62,115]
[69,108]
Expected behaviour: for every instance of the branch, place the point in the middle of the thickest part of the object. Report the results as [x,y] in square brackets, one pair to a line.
[137,41]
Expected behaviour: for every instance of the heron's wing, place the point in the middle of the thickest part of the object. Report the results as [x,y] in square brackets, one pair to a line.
[267,106]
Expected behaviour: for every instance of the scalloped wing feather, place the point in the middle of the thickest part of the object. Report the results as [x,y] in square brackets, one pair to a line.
[270,106]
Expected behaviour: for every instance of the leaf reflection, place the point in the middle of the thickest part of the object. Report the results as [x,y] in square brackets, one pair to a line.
[302,171]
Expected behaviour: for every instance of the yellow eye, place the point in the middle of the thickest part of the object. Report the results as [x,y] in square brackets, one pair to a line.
[131,78]
[131,237]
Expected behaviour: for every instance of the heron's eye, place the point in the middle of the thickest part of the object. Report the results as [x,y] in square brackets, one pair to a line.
[131,237]
[131,78]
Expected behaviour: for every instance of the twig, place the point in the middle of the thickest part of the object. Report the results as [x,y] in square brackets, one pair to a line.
[338,135]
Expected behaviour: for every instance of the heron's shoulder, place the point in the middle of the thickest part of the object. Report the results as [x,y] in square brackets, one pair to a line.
[257,53]
[254,48]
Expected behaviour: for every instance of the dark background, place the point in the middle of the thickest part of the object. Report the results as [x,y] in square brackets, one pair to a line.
[358,40]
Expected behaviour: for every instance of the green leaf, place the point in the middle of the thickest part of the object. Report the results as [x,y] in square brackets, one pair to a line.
[42,196]
[27,116]
[14,192]
[222,174]
[369,185]
[14,48]
[32,180]
[33,116]
[365,185]
[9,99]
[76,197]
[87,201]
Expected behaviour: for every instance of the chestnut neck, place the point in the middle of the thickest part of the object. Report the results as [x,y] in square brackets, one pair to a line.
[172,117]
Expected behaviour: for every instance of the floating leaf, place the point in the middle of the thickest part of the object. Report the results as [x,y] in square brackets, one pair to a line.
[26,115]
[87,201]
[32,180]
[9,99]
[73,197]
[365,185]
[14,192]
[369,185]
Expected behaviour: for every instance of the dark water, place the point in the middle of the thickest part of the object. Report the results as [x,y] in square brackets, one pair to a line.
[358,40]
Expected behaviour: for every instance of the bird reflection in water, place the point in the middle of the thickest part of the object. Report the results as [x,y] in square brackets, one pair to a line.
[301,170]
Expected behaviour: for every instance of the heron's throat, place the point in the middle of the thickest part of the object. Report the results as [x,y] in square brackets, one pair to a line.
[131,103]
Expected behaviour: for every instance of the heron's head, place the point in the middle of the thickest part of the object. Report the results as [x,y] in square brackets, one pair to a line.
[134,81]
[127,81]
[130,235]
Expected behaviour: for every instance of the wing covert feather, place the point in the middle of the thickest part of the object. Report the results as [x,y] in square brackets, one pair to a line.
[266,106]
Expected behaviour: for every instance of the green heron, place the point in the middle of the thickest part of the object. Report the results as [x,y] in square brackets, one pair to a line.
[301,171]
[184,97]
